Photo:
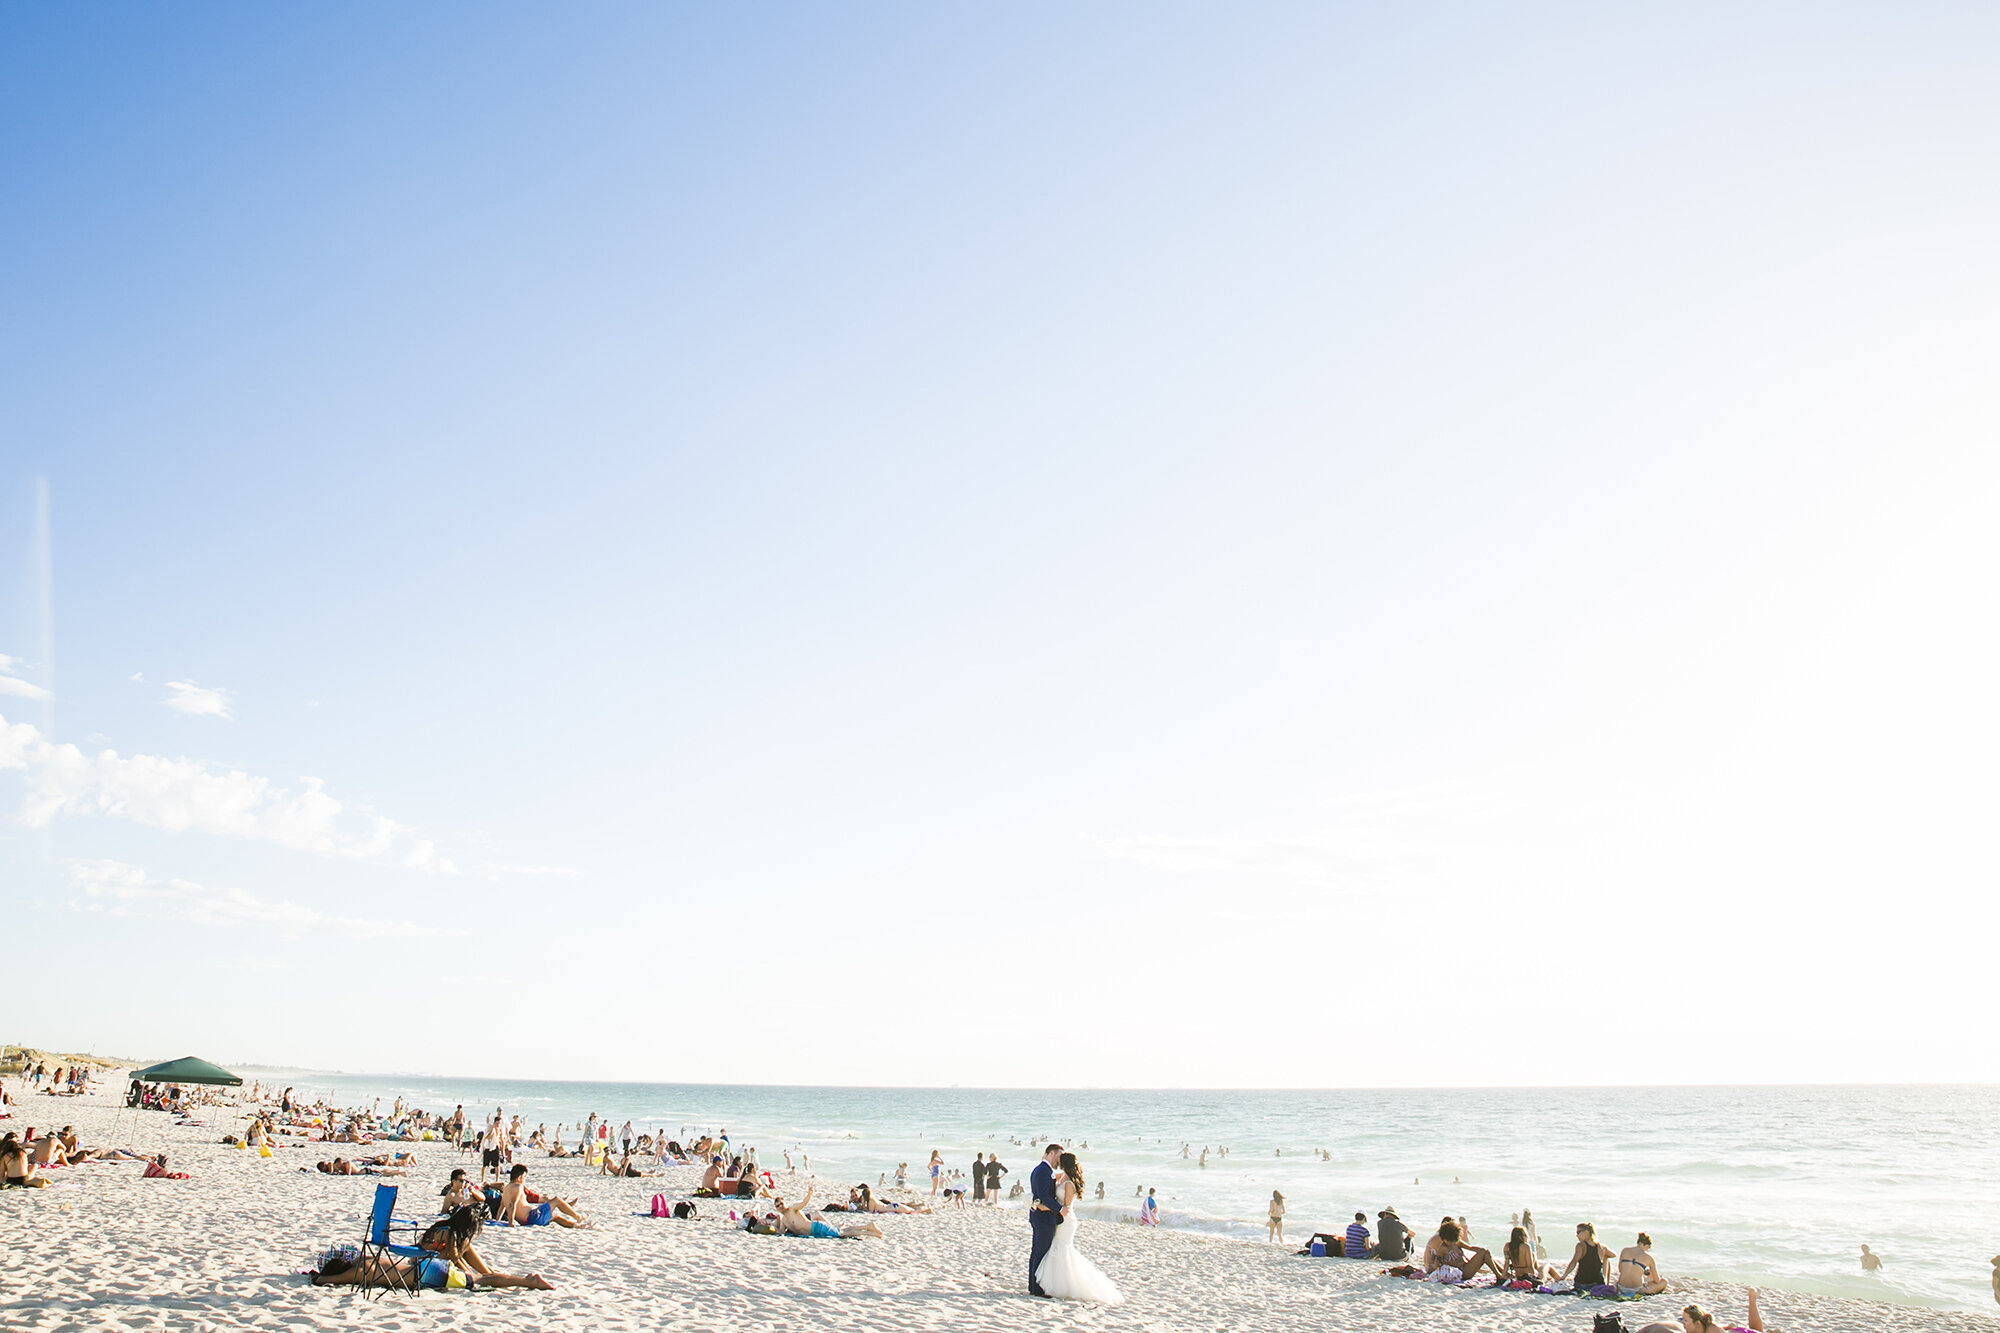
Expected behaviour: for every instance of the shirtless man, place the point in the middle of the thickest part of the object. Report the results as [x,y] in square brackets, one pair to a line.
[489,1148]
[515,1208]
[1637,1273]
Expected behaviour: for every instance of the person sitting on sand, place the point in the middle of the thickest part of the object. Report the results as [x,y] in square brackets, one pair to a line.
[515,1208]
[1456,1256]
[1436,1245]
[460,1192]
[452,1263]
[1519,1256]
[15,1167]
[624,1167]
[1588,1261]
[1638,1275]
[48,1152]
[1392,1237]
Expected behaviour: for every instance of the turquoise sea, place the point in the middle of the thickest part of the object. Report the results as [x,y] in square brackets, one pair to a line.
[1776,1186]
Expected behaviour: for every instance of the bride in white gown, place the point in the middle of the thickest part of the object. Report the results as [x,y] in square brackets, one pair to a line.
[1065,1273]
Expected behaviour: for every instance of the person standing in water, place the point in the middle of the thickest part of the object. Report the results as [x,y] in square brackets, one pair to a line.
[1869,1262]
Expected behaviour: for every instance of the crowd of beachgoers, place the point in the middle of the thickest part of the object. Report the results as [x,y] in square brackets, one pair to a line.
[492,1157]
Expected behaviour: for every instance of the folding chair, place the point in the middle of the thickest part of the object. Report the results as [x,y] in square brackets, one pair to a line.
[377,1254]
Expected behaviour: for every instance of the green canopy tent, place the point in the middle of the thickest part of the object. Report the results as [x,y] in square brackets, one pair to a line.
[187,1069]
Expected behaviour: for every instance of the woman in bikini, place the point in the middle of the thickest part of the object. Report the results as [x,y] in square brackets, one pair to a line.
[451,1264]
[1519,1254]
[15,1168]
[1694,1319]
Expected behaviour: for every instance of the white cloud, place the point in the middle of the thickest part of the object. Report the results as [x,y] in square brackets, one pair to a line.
[532,870]
[184,696]
[186,794]
[118,889]
[139,676]
[13,684]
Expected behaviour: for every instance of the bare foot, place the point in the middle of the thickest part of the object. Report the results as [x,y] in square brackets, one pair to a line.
[539,1283]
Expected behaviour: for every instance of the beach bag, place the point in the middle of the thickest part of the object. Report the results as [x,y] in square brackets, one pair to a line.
[1610,1322]
[660,1208]
[684,1210]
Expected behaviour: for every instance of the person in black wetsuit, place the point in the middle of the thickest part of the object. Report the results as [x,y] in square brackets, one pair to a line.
[1589,1259]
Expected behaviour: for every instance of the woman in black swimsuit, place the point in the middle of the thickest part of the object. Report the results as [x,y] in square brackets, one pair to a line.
[1588,1261]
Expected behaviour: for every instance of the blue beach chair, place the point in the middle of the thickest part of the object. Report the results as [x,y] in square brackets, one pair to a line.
[377,1247]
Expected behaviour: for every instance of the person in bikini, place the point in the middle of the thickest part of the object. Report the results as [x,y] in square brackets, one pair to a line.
[452,1264]
[1638,1275]
[793,1221]
[1695,1319]
[1467,1259]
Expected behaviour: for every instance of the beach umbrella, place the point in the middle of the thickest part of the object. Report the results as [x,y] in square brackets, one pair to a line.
[187,1069]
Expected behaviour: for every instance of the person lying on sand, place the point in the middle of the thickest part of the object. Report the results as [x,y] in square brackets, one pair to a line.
[794,1221]
[451,1263]
[515,1208]
[1694,1319]
[1454,1254]
[863,1200]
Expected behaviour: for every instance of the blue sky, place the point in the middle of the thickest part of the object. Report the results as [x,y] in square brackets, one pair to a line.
[858,538]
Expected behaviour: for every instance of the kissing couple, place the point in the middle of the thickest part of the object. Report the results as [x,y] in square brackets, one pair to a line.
[1055,1267]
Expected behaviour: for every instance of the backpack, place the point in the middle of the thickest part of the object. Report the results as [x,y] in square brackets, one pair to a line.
[1608,1322]
[684,1209]
[660,1205]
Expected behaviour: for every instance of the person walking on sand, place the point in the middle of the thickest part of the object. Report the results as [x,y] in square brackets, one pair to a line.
[1274,1230]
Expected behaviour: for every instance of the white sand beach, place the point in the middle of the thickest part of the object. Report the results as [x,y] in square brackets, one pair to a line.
[108,1249]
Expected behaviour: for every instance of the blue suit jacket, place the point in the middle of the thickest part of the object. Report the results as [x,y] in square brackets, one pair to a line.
[1042,1185]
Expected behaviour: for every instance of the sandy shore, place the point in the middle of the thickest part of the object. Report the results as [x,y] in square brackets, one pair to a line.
[112,1250]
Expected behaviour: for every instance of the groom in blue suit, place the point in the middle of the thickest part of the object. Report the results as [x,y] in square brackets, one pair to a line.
[1044,1214]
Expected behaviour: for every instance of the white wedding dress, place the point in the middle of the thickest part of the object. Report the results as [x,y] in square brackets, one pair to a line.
[1068,1276]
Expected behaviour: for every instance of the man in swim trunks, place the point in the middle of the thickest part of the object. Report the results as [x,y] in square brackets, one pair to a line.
[515,1208]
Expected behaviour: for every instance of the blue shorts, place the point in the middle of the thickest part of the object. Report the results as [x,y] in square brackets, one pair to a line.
[821,1231]
[540,1217]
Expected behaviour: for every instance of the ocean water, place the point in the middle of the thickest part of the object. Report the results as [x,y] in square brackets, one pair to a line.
[1769,1186]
